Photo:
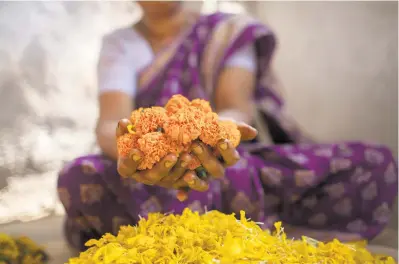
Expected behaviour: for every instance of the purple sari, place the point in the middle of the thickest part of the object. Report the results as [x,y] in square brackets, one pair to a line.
[344,190]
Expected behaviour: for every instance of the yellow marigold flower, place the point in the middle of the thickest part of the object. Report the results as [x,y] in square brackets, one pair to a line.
[215,237]
[21,250]
[8,247]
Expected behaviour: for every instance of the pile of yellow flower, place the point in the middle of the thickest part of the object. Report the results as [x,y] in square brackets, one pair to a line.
[215,237]
[20,250]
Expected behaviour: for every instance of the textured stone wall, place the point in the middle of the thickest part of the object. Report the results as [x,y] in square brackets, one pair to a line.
[48,54]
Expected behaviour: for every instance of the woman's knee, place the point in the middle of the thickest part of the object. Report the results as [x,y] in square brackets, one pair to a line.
[368,155]
[80,181]
[81,169]
[378,155]
[376,169]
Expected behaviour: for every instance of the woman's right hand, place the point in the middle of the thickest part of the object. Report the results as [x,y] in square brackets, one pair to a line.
[170,172]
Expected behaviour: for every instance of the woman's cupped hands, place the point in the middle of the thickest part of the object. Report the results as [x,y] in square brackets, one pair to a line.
[172,171]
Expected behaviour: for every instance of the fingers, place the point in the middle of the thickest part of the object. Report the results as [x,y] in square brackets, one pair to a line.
[228,152]
[247,132]
[127,166]
[179,169]
[208,160]
[191,180]
[161,169]
[122,127]
[194,182]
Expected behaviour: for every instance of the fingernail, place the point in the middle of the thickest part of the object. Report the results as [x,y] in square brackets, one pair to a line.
[197,149]
[183,164]
[223,146]
[189,180]
[204,185]
[136,157]
[122,126]
[181,196]
[168,164]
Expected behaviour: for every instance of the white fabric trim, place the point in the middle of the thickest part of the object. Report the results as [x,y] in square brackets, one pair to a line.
[245,58]
[125,53]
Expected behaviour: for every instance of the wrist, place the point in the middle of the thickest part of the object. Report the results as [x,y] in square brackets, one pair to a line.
[233,115]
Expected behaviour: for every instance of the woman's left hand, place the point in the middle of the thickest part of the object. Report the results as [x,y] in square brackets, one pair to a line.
[211,163]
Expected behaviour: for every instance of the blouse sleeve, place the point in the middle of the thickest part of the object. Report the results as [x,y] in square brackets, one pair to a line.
[115,70]
[244,57]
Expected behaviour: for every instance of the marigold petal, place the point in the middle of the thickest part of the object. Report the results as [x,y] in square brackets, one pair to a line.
[175,103]
[126,143]
[154,147]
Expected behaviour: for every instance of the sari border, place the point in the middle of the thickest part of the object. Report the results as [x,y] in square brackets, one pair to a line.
[213,50]
[221,43]
[163,58]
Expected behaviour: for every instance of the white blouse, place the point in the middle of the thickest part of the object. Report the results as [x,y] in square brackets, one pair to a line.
[124,53]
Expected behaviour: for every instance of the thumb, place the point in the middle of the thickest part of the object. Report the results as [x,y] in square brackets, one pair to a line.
[121,128]
[247,132]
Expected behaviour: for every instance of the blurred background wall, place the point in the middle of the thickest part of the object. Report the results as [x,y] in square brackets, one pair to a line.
[338,62]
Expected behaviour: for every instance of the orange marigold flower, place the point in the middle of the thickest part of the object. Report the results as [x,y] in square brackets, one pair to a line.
[175,147]
[228,130]
[201,104]
[154,146]
[215,130]
[158,131]
[135,116]
[185,125]
[147,120]
[210,130]
[126,143]
[175,103]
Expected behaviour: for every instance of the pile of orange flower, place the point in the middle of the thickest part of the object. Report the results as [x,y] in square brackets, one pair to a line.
[158,131]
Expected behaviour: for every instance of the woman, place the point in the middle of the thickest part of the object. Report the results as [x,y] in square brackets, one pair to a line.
[341,190]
